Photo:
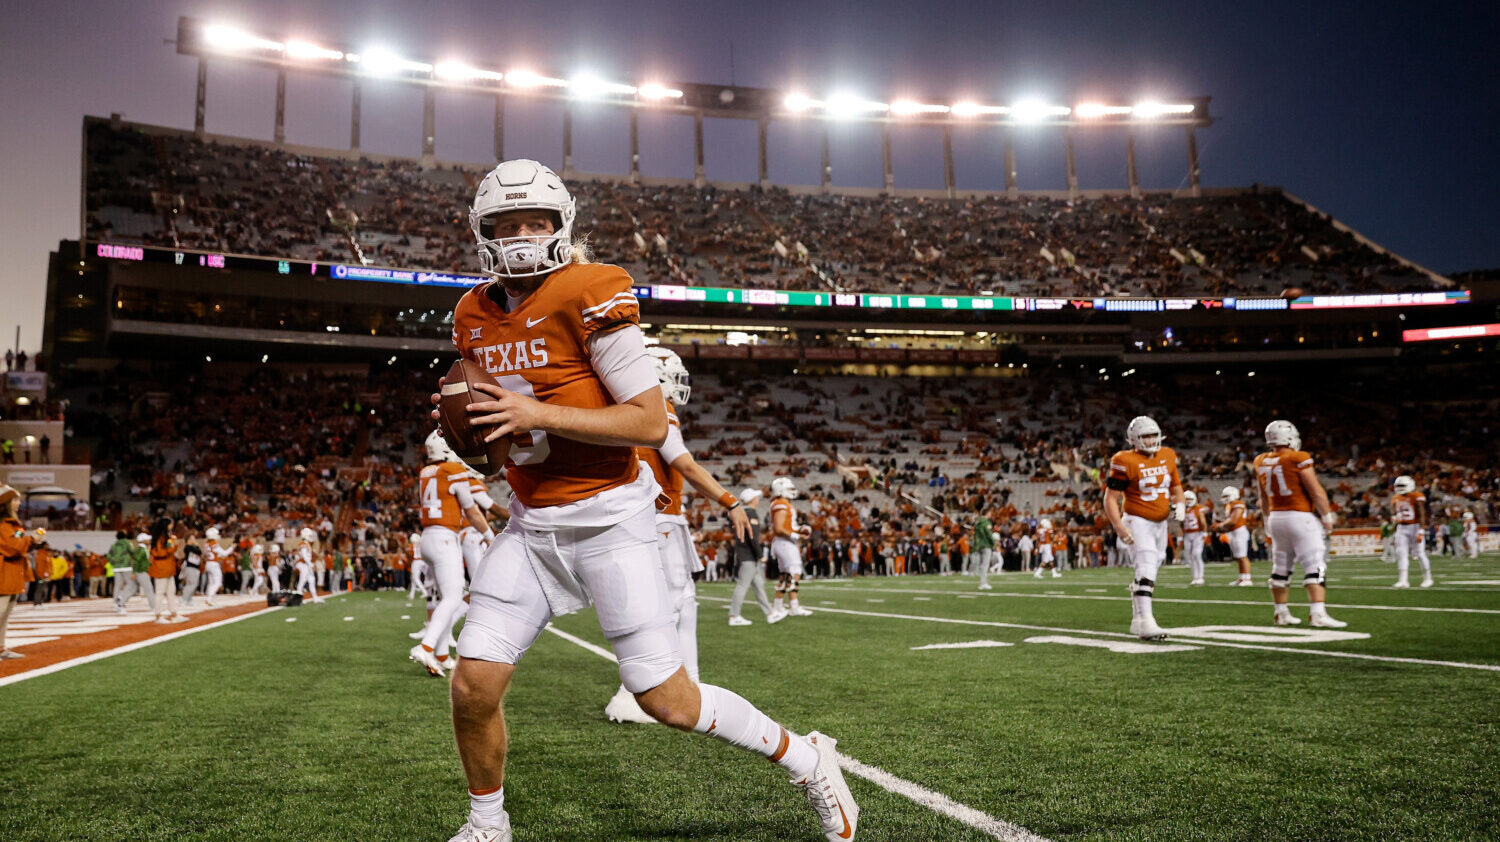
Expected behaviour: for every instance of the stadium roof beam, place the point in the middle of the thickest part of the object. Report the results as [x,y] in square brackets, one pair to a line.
[283,54]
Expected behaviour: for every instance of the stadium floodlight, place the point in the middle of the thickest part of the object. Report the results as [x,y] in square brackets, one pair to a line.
[651,90]
[457,71]
[383,62]
[305,50]
[904,107]
[800,102]
[1090,110]
[1032,111]
[229,38]
[588,85]
[1149,110]
[527,79]
[974,109]
[849,105]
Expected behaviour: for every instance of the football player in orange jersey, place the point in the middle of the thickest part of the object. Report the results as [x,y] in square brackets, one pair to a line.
[785,535]
[1142,490]
[1192,536]
[306,578]
[1236,523]
[576,394]
[671,464]
[1409,509]
[217,555]
[445,502]
[1046,559]
[1289,493]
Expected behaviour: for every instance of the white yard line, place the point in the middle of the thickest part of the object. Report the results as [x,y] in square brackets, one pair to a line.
[131,647]
[1197,641]
[935,801]
[1250,602]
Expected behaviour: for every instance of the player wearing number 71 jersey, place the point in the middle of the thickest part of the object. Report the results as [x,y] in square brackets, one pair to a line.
[577,392]
[1289,492]
[1142,490]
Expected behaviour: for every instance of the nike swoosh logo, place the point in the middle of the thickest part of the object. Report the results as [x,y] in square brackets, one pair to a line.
[848,831]
[535,322]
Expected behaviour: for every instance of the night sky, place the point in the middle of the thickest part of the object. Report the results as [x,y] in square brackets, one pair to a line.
[1385,115]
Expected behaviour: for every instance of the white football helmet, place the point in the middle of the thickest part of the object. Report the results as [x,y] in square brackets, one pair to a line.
[211,533]
[1044,523]
[308,535]
[257,549]
[1229,495]
[522,184]
[1468,515]
[274,548]
[672,374]
[783,487]
[1142,428]
[1404,484]
[415,538]
[1283,434]
[144,539]
[1190,498]
[438,449]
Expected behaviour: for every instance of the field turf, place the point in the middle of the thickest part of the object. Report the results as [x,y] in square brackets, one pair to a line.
[320,729]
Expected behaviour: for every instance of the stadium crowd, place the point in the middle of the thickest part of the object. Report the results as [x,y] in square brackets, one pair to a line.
[169,189]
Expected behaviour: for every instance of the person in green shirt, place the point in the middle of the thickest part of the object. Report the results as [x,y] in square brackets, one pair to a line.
[130,571]
[982,548]
[1455,536]
[1387,541]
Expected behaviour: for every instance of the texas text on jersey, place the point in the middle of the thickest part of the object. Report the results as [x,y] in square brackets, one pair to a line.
[1147,481]
[539,347]
[1280,484]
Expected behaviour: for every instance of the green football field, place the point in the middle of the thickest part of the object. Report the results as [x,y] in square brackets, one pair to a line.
[321,729]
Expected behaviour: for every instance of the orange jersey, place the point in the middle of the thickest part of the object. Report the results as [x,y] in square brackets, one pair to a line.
[667,476]
[783,518]
[1059,541]
[1280,484]
[541,349]
[1404,506]
[1238,514]
[1195,519]
[437,491]
[1146,480]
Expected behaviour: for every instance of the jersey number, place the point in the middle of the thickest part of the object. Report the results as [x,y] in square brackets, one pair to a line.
[1274,472]
[539,447]
[1154,487]
[432,504]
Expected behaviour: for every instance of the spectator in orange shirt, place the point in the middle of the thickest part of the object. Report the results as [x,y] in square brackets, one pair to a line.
[14,571]
[163,571]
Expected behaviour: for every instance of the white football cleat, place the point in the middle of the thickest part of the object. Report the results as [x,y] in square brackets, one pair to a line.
[1196,582]
[1323,621]
[1285,620]
[1401,583]
[470,833]
[1241,583]
[1147,629]
[1427,583]
[986,587]
[737,620]
[624,708]
[418,634]
[1038,573]
[1056,574]
[798,611]
[828,793]
[449,663]
[426,659]
[776,616]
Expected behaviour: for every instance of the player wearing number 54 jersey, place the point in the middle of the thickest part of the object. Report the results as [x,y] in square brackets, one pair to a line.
[1289,492]
[1142,490]
[576,393]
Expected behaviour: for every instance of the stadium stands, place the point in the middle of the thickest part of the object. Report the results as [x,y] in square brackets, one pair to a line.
[157,186]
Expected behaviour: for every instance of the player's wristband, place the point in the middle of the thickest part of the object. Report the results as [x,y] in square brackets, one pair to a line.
[728,500]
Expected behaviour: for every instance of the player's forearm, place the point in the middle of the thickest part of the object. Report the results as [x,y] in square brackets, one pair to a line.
[699,477]
[1112,510]
[622,425]
[476,519]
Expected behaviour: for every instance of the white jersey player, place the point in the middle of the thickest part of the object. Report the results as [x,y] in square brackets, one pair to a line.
[273,566]
[306,579]
[672,464]
[1471,535]
[1193,524]
[217,555]
[786,536]
[258,567]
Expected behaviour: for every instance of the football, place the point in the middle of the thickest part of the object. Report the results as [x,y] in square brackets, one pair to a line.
[467,440]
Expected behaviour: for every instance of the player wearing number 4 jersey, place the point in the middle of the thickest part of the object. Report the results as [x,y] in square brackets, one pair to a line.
[1289,492]
[1142,490]
[577,392]
[445,502]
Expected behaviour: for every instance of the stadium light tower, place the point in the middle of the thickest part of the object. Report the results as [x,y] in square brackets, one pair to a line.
[220,42]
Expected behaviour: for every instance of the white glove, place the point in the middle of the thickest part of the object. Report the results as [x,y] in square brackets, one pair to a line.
[1179,512]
